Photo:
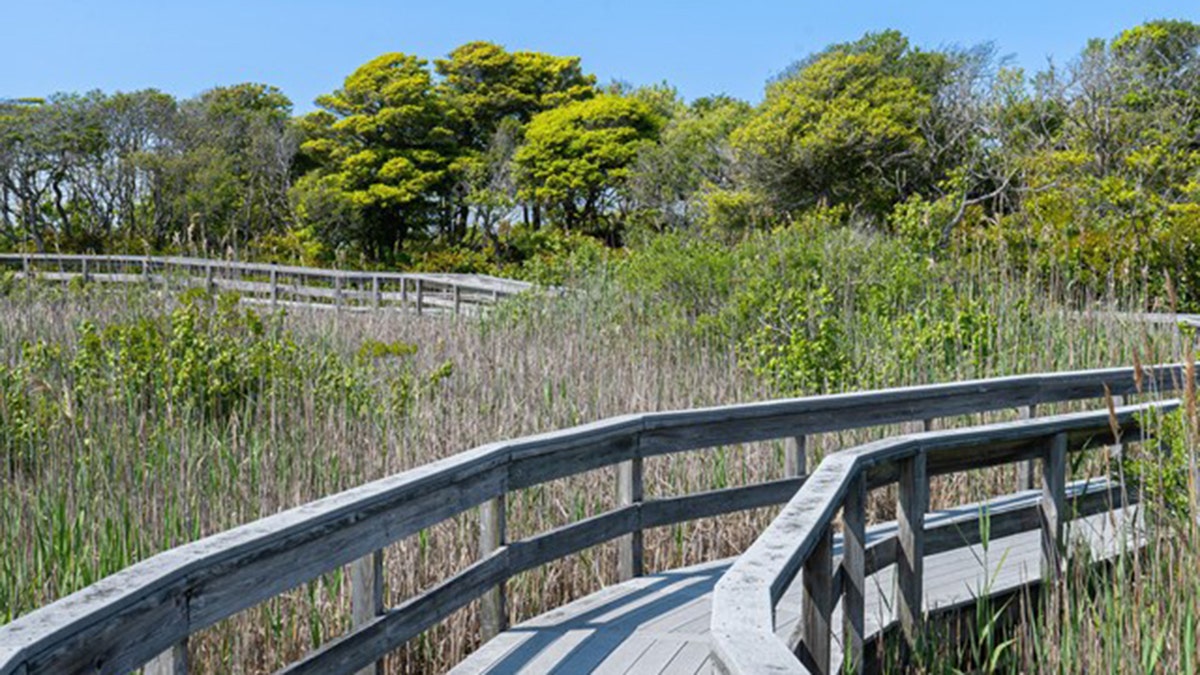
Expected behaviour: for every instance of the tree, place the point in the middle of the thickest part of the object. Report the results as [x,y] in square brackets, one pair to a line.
[382,149]
[236,149]
[490,95]
[577,158]
[671,178]
[844,127]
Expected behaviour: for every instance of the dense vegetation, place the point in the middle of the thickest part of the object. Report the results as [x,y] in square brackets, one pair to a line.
[488,158]
[131,422]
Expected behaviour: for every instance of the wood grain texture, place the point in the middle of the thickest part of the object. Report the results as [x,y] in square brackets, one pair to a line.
[493,534]
[366,597]
[1053,506]
[853,573]
[630,546]
[817,606]
[911,504]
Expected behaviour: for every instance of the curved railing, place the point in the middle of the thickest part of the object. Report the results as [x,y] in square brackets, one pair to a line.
[799,540]
[275,284]
[147,611]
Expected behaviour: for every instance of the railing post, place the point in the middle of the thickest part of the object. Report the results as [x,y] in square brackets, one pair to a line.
[274,286]
[854,567]
[174,661]
[493,607]
[208,278]
[795,457]
[817,605]
[366,597]
[420,295]
[1026,471]
[927,425]
[630,546]
[912,504]
[146,270]
[376,298]
[337,290]
[1053,505]
[457,298]
[1118,448]
[83,268]
[404,294]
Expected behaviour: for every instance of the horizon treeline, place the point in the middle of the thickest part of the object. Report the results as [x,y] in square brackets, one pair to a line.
[488,158]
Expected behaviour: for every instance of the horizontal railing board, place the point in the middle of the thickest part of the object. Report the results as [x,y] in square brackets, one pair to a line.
[575,450]
[706,427]
[362,646]
[543,548]
[75,620]
[672,510]
[1084,498]
[742,621]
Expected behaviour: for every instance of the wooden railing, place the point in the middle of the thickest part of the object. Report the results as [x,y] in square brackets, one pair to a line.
[147,611]
[800,539]
[275,284]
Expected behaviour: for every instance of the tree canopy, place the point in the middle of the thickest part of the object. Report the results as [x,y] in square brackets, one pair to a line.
[489,158]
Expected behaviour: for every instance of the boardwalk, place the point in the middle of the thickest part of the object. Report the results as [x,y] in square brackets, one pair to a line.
[275,285]
[775,608]
[660,623]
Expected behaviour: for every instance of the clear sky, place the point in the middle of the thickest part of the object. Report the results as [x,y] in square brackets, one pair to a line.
[307,47]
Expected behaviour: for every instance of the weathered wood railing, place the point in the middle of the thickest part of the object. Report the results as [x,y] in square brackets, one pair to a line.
[275,284]
[800,539]
[149,609]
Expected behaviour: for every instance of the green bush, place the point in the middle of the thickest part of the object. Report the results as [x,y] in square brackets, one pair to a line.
[818,305]
[1161,468]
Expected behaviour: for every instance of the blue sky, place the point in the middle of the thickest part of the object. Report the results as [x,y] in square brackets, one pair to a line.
[307,47]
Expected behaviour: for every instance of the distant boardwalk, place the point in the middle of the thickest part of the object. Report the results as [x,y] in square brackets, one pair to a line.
[809,595]
[276,284]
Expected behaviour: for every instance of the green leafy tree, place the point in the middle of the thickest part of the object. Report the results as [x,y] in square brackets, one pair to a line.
[235,166]
[490,95]
[577,159]
[382,149]
[671,181]
[844,127]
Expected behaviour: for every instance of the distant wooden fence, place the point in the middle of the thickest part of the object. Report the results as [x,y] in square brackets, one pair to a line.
[146,612]
[276,284]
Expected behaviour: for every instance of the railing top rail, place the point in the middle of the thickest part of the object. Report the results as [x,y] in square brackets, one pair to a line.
[239,567]
[743,609]
[480,282]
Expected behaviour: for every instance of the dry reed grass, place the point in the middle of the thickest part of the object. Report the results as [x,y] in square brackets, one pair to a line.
[116,486]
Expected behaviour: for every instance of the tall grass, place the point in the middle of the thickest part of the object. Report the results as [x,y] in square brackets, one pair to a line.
[111,476]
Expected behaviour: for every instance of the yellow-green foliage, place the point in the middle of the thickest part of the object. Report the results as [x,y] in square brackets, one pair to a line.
[835,130]
[574,154]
